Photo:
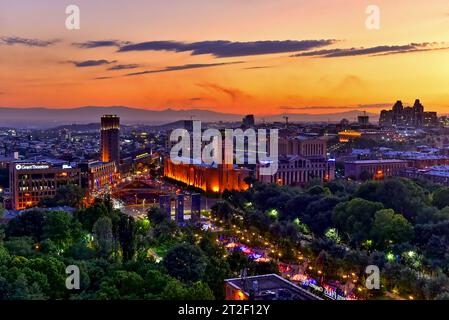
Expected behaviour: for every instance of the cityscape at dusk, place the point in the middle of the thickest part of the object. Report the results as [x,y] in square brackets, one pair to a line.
[226,151]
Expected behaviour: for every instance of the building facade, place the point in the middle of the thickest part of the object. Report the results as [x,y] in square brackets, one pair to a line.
[209,178]
[97,175]
[305,146]
[418,160]
[301,159]
[110,139]
[374,169]
[348,136]
[32,182]
[298,170]
[400,116]
[436,174]
[363,121]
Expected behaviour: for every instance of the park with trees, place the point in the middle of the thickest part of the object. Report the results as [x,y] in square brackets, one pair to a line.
[399,225]
[114,252]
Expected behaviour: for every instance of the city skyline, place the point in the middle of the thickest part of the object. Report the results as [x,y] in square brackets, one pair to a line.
[225,150]
[259,58]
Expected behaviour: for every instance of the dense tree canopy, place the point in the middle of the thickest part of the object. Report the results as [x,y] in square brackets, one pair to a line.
[389,228]
[441,198]
[355,218]
[186,262]
[340,227]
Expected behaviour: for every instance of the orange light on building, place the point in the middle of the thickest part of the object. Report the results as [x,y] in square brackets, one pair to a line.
[379,175]
[110,141]
[347,135]
[231,245]
[299,277]
[239,295]
[207,178]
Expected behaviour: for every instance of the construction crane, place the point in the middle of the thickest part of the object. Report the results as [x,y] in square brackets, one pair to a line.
[286,121]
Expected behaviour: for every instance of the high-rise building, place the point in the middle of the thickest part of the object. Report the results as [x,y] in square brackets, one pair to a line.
[187,124]
[110,139]
[248,121]
[363,120]
[400,116]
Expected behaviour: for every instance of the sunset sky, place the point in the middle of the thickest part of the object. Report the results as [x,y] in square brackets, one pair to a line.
[236,56]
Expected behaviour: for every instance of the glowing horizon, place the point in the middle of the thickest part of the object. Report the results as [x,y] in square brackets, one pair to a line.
[261,57]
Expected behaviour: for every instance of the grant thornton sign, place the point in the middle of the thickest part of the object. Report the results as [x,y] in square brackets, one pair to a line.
[32,166]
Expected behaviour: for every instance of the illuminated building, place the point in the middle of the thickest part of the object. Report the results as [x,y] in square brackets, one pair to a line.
[32,182]
[374,169]
[430,119]
[98,175]
[265,287]
[209,178]
[348,135]
[110,139]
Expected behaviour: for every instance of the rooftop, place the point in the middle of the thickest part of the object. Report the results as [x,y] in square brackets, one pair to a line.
[415,155]
[271,287]
[377,161]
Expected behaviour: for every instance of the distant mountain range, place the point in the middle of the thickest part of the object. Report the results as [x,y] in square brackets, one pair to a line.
[48,117]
